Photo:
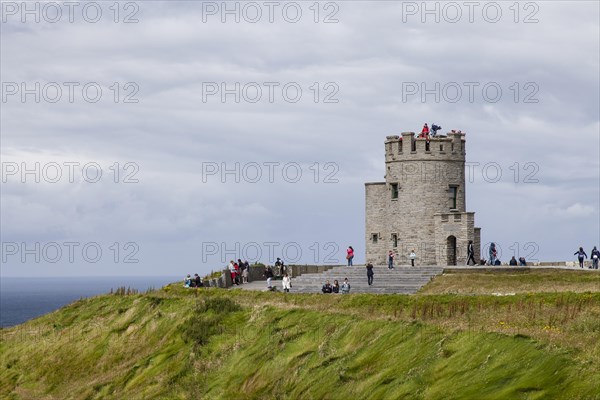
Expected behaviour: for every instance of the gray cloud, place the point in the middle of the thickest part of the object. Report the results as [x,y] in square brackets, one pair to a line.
[370,55]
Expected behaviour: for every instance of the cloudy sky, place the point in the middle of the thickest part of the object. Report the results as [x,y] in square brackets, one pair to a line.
[163,138]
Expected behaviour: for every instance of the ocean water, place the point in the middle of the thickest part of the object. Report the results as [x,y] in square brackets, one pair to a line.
[22,299]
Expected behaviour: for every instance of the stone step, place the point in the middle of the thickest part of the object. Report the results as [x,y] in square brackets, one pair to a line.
[401,279]
[362,278]
[363,290]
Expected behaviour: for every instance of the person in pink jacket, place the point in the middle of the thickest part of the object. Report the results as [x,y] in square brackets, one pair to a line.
[350,255]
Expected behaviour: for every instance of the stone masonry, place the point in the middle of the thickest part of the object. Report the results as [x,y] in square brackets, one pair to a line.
[421,204]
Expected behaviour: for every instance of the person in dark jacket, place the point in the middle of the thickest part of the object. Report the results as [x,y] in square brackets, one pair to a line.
[336,286]
[280,267]
[513,261]
[493,253]
[522,262]
[370,274]
[470,253]
[327,288]
[269,275]
[580,256]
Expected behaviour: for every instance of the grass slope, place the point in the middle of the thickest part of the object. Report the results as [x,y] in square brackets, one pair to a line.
[216,344]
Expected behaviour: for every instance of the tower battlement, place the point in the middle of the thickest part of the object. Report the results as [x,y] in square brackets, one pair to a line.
[409,147]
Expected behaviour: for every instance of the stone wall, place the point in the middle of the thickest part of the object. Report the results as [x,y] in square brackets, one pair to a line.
[255,273]
[453,225]
[477,244]
[376,195]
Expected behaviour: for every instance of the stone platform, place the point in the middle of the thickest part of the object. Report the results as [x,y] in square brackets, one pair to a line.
[401,280]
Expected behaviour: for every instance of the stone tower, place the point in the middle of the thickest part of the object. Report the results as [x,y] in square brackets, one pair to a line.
[421,204]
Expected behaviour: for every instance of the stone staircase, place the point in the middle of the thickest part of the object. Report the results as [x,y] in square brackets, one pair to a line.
[402,279]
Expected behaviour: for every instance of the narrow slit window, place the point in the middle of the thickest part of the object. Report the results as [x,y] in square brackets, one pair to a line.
[394,189]
[394,240]
[374,237]
[453,196]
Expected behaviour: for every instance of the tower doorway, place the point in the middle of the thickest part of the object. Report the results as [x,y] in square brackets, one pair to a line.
[451,250]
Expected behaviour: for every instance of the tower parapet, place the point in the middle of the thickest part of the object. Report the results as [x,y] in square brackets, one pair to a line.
[409,147]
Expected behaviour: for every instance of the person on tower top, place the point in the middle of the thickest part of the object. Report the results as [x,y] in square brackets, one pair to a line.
[424,131]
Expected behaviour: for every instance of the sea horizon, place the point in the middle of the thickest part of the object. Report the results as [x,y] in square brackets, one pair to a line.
[26,298]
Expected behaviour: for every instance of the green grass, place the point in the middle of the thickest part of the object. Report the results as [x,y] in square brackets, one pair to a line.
[216,344]
[524,281]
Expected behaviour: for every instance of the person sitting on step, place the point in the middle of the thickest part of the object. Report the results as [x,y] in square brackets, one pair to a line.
[336,287]
[345,289]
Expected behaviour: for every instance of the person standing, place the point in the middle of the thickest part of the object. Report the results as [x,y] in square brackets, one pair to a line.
[470,253]
[269,275]
[391,260]
[412,257]
[280,267]
[237,273]
[522,262]
[595,256]
[241,269]
[245,275]
[492,253]
[350,255]
[232,271]
[580,256]
[370,274]
[286,282]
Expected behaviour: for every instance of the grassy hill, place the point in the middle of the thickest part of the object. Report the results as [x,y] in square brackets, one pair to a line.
[178,343]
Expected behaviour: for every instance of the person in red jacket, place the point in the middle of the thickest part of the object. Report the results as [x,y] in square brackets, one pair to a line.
[425,131]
